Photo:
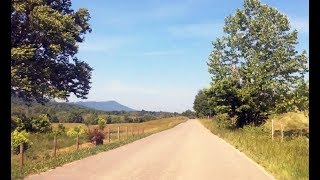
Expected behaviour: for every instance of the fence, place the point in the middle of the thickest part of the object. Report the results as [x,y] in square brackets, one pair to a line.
[287,133]
[111,135]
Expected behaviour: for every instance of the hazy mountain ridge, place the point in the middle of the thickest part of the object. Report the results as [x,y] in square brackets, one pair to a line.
[104,105]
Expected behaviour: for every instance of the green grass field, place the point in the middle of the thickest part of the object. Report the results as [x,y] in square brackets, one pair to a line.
[285,160]
[38,157]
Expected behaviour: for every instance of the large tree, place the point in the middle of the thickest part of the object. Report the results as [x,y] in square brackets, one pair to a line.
[202,104]
[255,66]
[44,41]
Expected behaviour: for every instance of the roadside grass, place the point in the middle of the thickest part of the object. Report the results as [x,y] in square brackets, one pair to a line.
[39,157]
[284,160]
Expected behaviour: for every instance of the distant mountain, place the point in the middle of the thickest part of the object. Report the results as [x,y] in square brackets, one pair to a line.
[104,105]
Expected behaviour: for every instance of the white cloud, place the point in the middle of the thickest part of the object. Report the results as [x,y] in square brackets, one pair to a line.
[200,30]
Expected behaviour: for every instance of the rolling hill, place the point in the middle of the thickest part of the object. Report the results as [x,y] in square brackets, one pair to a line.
[104,105]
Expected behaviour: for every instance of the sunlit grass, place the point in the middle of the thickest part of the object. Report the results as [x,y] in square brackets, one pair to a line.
[39,157]
[285,160]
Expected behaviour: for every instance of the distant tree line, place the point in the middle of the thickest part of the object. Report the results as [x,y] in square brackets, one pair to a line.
[29,117]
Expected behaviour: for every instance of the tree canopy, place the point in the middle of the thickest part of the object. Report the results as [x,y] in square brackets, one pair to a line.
[255,67]
[44,41]
[202,105]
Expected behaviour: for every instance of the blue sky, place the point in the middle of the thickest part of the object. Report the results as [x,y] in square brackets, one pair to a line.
[152,54]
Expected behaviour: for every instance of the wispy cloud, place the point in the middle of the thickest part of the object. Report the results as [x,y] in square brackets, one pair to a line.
[301,24]
[201,30]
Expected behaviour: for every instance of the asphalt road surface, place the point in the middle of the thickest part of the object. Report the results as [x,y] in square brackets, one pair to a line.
[187,151]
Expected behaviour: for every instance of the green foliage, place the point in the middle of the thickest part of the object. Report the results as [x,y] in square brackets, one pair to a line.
[224,121]
[101,123]
[202,105]
[39,159]
[90,119]
[285,160]
[41,124]
[77,131]
[188,113]
[301,96]
[74,117]
[255,67]
[20,123]
[18,138]
[44,40]
[60,130]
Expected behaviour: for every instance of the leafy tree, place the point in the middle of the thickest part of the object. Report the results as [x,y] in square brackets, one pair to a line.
[101,123]
[301,96]
[109,120]
[20,123]
[188,113]
[76,131]
[255,66]
[90,119]
[18,138]
[41,124]
[74,117]
[44,40]
[61,129]
[202,105]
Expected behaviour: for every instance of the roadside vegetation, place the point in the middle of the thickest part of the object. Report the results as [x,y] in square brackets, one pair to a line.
[39,156]
[284,160]
[258,76]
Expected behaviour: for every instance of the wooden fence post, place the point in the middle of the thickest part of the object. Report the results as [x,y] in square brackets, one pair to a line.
[142,130]
[21,155]
[127,132]
[272,129]
[108,134]
[55,145]
[77,141]
[132,131]
[281,132]
[138,131]
[118,132]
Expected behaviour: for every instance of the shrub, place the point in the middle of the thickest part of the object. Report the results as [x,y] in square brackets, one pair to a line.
[224,121]
[61,128]
[76,131]
[96,137]
[41,124]
[17,138]
[20,123]
[101,123]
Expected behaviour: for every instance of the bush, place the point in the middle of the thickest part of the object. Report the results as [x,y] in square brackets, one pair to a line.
[61,128]
[224,121]
[101,123]
[76,131]
[17,138]
[41,124]
[96,137]
[20,123]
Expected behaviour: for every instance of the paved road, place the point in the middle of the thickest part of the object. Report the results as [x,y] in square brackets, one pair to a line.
[187,151]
